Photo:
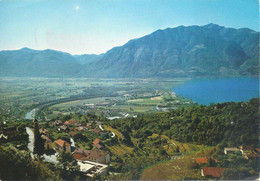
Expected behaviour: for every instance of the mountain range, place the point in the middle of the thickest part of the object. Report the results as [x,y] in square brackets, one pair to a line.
[192,51]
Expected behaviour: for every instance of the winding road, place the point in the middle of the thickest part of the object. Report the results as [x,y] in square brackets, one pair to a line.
[113,134]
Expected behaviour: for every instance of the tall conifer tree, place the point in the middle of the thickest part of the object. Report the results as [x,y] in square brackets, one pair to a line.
[38,142]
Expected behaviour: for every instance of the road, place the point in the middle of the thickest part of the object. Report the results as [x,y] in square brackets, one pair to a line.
[113,134]
[100,127]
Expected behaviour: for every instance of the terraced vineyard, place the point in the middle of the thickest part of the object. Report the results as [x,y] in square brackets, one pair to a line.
[179,169]
[118,134]
[172,146]
[120,149]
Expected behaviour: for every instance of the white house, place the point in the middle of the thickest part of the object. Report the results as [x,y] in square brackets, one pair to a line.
[230,149]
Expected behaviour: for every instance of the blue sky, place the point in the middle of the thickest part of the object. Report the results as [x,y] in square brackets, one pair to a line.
[95,26]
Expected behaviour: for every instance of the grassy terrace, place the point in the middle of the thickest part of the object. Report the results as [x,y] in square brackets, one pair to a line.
[120,149]
[117,133]
[81,102]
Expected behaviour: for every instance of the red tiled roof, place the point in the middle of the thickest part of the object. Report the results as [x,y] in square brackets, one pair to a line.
[204,160]
[72,121]
[68,122]
[97,141]
[213,171]
[81,154]
[201,160]
[72,133]
[61,142]
[78,156]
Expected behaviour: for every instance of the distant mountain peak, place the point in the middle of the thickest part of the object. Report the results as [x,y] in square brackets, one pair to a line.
[213,26]
[26,49]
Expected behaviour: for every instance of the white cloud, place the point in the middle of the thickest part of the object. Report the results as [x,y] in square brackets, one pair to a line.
[77,7]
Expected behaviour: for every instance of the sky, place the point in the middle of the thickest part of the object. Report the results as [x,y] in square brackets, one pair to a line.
[96,26]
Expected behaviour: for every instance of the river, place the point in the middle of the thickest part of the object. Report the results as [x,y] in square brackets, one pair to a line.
[31,114]
[48,158]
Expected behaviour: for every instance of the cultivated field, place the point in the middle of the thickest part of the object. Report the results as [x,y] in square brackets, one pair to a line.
[112,97]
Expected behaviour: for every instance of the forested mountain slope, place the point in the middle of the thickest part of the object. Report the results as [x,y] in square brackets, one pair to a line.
[193,51]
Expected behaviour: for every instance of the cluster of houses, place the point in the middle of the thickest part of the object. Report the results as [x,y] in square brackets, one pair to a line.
[95,155]
[74,125]
[248,152]
[215,172]
[90,161]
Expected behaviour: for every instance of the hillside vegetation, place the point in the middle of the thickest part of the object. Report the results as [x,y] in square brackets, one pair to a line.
[185,134]
[231,123]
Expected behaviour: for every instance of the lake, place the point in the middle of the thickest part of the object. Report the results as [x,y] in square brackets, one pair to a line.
[206,91]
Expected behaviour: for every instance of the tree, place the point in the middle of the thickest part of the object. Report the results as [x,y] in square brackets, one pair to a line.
[81,137]
[163,152]
[38,141]
[69,166]
[211,162]
[230,174]
[19,165]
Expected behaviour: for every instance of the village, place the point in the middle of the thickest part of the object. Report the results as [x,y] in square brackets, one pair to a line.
[247,152]
[94,160]
[85,141]
[90,153]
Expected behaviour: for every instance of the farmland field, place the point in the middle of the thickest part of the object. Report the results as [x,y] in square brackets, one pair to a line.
[112,97]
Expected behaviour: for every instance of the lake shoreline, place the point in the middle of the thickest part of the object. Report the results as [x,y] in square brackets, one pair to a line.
[206,91]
